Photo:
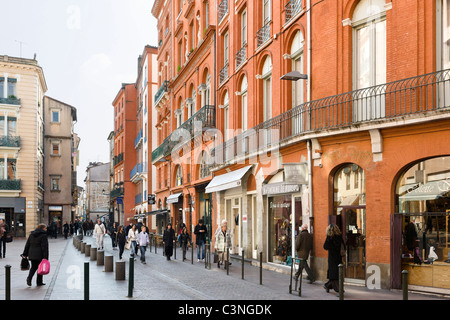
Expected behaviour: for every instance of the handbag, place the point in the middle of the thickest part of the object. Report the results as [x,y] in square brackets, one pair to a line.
[24,264]
[216,257]
[44,267]
[8,238]
[128,245]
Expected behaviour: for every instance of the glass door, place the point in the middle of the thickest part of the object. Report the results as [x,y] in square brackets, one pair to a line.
[354,232]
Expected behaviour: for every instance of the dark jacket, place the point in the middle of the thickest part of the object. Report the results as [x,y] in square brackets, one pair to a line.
[333,246]
[36,247]
[121,237]
[169,237]
[304,244]
[200,235]
[185,238]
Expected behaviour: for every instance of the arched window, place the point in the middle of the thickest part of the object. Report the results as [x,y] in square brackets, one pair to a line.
[267,89]
[244,106]
[226,116]
[297,65]
[204,170]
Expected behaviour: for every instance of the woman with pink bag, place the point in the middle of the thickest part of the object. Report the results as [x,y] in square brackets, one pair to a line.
[36,249]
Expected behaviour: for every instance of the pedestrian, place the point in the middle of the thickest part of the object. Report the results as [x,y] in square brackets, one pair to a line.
[303,246]
[121,240]
[71,228]
[142,241]
[54,229]
[36,249]
[200,232]
[99,233]
[113,234]
[138,229]
[185,240]
[168,239]
[333,244]
[223,241]
[65,230]
[4,230]
[132,238]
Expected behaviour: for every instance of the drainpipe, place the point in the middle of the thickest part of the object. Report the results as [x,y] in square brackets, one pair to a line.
[310,195]
[308,85]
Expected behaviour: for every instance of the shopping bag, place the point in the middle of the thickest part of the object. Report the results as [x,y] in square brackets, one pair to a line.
[24,264]
[128,245]
[44,267]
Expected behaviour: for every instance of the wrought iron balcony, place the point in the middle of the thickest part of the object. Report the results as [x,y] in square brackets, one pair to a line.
[10,185]
[412,98]
[116,193]
[161,92]
[263,35]
[11,100]
[223,75]
[241,56]
[10,141]
[292,8]
[118,159]
[138,139]
[138,169]
[202,120]
[223,9]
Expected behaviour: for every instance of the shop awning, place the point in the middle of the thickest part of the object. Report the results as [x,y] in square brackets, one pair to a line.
[157,212]
[429,191]
[174,198]
[227,181]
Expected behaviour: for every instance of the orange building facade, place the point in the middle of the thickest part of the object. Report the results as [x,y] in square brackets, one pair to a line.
[325,113]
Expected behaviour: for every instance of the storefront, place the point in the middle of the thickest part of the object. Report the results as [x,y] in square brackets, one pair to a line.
[13,211]
[287,208]
[421,224]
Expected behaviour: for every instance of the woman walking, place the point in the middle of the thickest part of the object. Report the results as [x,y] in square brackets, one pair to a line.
[142,241]
[113,234]
[333,244]
[35,250]
[185,240]
[132,238]
[223,241]
[121,240]
[4,230]
[168,239]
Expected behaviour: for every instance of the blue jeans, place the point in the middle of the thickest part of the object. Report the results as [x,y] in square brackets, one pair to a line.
[143,249]
[201,245]
[133,249]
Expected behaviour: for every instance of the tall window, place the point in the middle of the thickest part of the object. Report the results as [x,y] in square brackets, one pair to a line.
[12,87]
[266,12]
[244,28]
[55,184]
[12,169]
[179,177]
[226,116]
[369,30]
[12,126]
[226,49]
[267,89]
[2,87]
[297,65]
[446,34]
[244,108]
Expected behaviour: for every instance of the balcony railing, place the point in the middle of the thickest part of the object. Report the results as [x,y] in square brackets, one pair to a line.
[10,141]
[203,119]
[263,35]
[223,75]
[241,56]
[138,139]
[10,185]
[116,193]
[10,100]
[118,159]
[161,92]
[223,9]
[423,95]
[138,169]
[292,9]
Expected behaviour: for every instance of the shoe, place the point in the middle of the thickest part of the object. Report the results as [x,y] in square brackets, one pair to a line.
[326,288]
[29,282]
[198,260]
[40,284]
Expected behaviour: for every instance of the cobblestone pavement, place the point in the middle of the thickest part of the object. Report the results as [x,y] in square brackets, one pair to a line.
[160,279]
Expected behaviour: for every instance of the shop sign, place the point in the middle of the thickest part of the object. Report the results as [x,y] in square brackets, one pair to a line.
[55,208]
[295,173]
[280,188]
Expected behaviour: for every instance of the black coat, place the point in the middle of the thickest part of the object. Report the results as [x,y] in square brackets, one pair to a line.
[333,246]
[121,237]
[169,237]
[200,235]
[36,247]
[185,238]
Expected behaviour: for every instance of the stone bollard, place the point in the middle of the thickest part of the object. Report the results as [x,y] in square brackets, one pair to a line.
[87,250]
[93,254]
[83,247]
[120,270]
[109,263]
[100,257]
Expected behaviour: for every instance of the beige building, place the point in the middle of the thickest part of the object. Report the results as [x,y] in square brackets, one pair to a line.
[61,145]
[22,89]
[97,191]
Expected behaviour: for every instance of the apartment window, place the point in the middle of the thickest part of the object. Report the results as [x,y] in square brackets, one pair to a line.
[55,149]
[446,34]
[2,87]
[55,184]
[226,116]
[179,177]
[267,89]
[244,107]
[226,49]
[12,126]
[369,32]
[244,28]
[55,116]
[12,87]
[12,169]
[266,12]
[206,15]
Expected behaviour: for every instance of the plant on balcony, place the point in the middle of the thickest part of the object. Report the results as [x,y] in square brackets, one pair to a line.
[12,97]
[178,68]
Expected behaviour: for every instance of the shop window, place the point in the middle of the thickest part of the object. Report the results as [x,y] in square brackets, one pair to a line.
[423,203]
[178,177]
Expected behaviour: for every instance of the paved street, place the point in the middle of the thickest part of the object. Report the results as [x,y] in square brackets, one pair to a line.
[163,280]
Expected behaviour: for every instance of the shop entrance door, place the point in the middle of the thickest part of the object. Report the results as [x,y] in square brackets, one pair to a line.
[19,225]
[353,226]
[236,231]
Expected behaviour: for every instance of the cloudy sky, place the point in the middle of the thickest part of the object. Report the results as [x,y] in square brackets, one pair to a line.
[87,49]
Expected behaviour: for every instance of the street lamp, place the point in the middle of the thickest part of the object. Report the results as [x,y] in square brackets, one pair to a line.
[294,76]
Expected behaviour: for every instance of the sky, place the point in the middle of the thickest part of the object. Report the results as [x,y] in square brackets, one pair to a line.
[87,49]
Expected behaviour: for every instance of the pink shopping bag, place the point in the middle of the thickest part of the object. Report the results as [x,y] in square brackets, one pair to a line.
[44,267]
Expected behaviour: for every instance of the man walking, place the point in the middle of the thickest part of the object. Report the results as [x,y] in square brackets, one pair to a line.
[200,232]
[99,233]
[303,246]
